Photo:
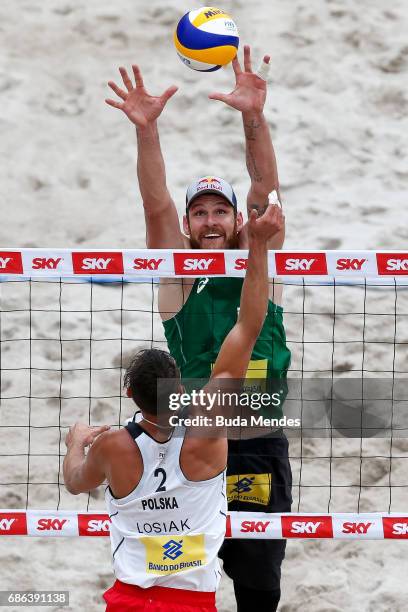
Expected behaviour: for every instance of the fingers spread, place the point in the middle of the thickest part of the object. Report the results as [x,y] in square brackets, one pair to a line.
[168,93]
[114,103]
[118,91]
[236,66]
[218,96]
[138,76]
[247,58]
[125,78]
[263,70]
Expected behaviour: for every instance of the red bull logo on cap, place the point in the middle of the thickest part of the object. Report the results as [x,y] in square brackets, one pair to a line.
[209,183]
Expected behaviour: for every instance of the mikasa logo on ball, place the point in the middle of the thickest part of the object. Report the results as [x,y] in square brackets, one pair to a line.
[212,12]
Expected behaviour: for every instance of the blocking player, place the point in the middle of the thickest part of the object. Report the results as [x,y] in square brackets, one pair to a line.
[167,496]
[197,315]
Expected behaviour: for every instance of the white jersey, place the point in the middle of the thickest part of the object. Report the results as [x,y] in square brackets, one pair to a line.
[168,530]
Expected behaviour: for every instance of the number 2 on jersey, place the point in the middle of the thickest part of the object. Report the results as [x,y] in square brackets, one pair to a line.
[160,473]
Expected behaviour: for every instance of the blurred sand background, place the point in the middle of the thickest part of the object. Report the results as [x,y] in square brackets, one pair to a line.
[337,106]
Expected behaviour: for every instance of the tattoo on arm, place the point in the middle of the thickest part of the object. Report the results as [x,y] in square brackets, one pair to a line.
[250,135]
[249,129]
[253,169]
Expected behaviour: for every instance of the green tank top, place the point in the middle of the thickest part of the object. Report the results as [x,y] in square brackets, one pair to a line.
[195,334]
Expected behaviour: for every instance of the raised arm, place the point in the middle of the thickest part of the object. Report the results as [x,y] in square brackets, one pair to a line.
[205,453]
[236,350]
[249,97]
[162,223]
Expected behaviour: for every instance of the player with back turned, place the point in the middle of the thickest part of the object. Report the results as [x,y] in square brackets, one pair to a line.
[198,314]
[167,495]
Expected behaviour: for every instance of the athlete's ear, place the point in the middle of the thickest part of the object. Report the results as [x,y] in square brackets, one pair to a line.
[129,392]
[186,225]
[239,223]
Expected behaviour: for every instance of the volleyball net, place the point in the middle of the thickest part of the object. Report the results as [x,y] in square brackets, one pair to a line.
[70,320]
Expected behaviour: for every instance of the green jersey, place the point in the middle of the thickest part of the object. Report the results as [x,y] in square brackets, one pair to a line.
[195,334]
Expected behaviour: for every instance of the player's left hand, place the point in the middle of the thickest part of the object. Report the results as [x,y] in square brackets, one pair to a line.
[249,94]
[83,435]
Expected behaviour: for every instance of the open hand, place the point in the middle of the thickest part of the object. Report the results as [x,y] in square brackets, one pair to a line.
[250,89]
[139,106]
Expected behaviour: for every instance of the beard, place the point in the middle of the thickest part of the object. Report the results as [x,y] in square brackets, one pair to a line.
[227,242]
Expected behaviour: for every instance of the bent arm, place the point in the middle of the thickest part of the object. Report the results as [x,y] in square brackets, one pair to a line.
[205,455]
[162,222]
[84,472]
[209,451]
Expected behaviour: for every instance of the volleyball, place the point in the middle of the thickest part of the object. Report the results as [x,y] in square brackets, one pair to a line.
[206,39]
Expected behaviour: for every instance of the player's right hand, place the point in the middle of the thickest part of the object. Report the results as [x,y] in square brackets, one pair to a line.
[263,228]
[140,107]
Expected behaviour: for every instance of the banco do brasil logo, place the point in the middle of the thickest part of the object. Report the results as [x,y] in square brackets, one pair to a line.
[244,485]
[172,549]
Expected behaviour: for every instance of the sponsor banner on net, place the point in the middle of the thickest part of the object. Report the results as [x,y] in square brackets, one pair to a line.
[93,525]
[97,262]
[356,264]
[168,548]
[148,263]
[13,523]
[392,263]
[236,263]
[199,263]
[52,524]
[167,263]
[301,264]
[246,525]
[47,263]
[304,526]
[365,527]
[11,262]
[395,527]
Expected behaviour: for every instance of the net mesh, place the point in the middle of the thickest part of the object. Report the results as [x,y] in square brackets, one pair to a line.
[64,345]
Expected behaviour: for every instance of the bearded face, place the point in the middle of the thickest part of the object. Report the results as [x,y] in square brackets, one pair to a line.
[212,223]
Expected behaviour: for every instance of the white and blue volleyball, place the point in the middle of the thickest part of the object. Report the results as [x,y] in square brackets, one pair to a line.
[206,39]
